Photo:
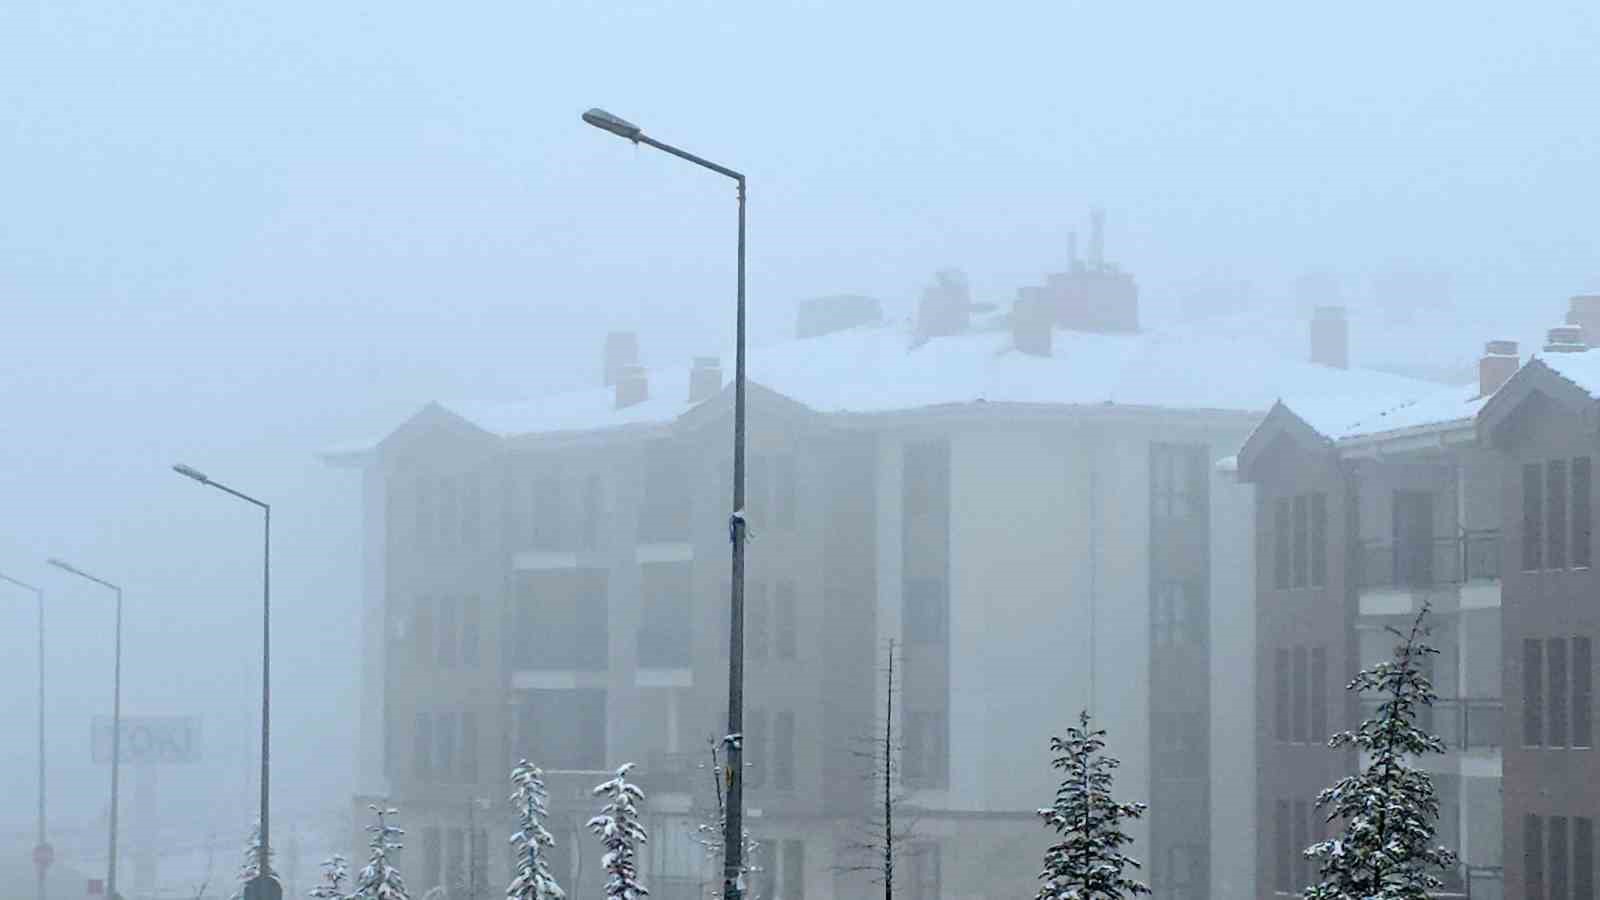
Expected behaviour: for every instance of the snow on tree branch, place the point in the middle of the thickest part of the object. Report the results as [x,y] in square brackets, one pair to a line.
[1088,862]
[619,828]
[1389,809]
[335,872]
[529,797]
[379,879]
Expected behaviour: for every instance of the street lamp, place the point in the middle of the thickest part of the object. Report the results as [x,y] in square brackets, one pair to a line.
[733,826]
[264,886]
[41,851]
[116,718]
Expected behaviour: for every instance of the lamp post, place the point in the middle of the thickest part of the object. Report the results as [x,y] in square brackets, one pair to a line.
[733,826]
[264,886]
[116,718]
[41,851]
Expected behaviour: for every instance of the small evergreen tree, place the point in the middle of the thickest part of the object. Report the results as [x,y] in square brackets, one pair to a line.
[335,872]
[619,828]
[379,879]
[533,880]
[1389,808]
[253,865]
[1088,862]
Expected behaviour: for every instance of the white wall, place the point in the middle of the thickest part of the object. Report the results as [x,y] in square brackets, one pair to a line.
[1233,687]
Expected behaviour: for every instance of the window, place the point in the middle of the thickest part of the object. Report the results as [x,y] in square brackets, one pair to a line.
[1280,533]
[788,639]
[1302,840]
[470,632]
[666,621]
[1533,854]
[424,499]
[1556,524]
[794,870]
[784,491]
[755,492]
[1532,517]
[1281,695]
[579,744]
[926,877]
[448,639]
[1583,858]
[1582,694]
[1302,537]
[423,632]
[1532,693]
[1582,551]
[1283,881]
[1175,487]
[1558,856]
[755,621]
[1413,538]
[445,727]
[469,746]
[664,513]
[755,749]
[1167,616]
[454,858]
[783,751]
[925,607]
[471,509]
[480,860]
[1319,694]
[1319,539]
[546,513]
[1302,695]
[923,756]
[591,512]
[1555,652]
[449,511]
[432,868]
[422,748]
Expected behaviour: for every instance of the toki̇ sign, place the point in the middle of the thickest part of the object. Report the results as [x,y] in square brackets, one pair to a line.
[148,740]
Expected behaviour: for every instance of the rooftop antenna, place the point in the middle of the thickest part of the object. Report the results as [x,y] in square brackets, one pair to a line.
[1097,240]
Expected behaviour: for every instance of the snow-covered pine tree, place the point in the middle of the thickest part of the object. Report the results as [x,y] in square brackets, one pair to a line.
[1389,808]
[711,833]
[252,865]
[379,879]
[1088,862]
[335,872]
[619,828]
[533,880]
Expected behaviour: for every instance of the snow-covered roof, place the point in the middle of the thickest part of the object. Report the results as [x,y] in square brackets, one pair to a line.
[876,369]
[1582,369]
[1453,406]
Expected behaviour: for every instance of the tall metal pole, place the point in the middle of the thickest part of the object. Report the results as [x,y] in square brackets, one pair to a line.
[40,863]
[116,749]
[266,681]
[733,822]
[116,721]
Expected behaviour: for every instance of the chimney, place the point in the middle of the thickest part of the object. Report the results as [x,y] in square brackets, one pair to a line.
[1032,320]
[1584,312]
[946,305]
[622,350]
[705,379]
[1499,363]
[1565,339]
[633,386]
[1330,337]
[1097,239]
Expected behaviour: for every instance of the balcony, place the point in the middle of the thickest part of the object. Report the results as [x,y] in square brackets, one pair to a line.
[1474,725]
[1467,564]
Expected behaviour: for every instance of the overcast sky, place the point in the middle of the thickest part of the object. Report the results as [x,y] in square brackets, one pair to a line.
[236,233]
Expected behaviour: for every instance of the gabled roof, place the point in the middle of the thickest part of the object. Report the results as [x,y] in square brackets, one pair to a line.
[1280,423]
[878,370]
[1569,379]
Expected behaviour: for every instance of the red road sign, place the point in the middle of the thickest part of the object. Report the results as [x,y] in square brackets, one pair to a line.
[43,856]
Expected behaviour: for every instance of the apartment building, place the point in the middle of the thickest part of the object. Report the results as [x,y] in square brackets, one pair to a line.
[1476,502]
[1027,503]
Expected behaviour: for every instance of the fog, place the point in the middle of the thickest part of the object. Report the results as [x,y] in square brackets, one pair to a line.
[237,235]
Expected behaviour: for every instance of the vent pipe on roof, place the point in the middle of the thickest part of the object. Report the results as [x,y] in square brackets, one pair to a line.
[1500,361]
[633,386]
[1330,337]
[1565,339]
[1032,319]
[1584,312]
[622,350]
[705,379]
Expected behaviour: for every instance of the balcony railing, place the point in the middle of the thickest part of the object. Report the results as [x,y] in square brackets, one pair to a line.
[1462,723]
[1469,556]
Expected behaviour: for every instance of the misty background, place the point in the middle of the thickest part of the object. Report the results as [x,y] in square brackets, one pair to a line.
[236,235]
